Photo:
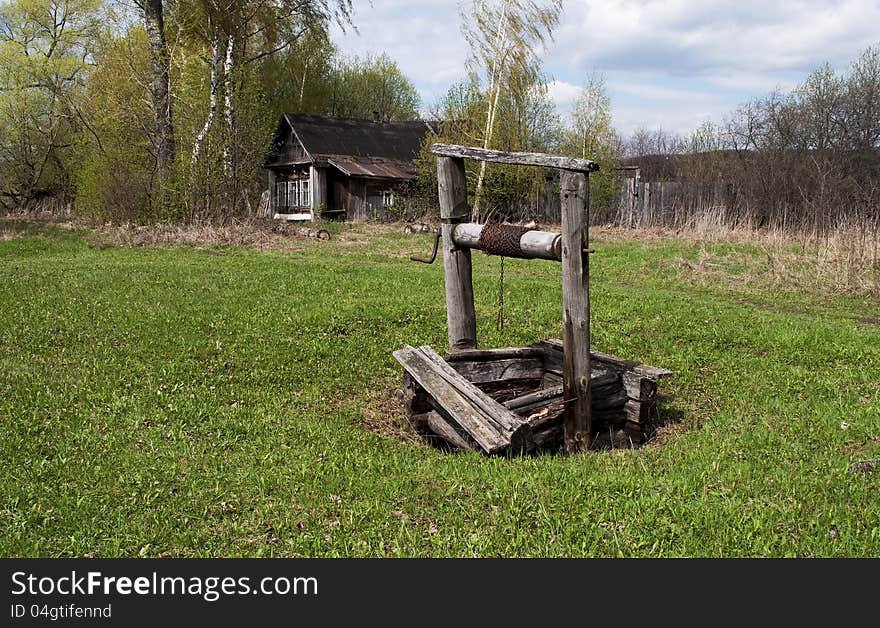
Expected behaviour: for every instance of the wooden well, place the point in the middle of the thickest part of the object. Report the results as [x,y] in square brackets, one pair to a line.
[554,395]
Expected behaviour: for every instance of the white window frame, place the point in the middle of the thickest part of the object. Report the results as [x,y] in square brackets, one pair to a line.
[305,193]
[388,198]
[293,193]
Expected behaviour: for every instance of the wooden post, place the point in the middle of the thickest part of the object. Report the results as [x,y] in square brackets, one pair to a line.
[461,319]
[272,199]
[575,197]
[318,186]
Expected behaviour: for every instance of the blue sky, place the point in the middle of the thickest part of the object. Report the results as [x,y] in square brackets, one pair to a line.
[668,64]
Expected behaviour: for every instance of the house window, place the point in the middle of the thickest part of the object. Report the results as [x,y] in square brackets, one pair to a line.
[293,194]
[305,197]
[388,198]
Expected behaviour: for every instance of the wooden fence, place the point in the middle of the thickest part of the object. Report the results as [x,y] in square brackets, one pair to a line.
[669,203]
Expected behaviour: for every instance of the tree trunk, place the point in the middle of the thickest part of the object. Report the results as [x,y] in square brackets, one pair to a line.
[160,86]
[302,87]
[229,112]
[212,102]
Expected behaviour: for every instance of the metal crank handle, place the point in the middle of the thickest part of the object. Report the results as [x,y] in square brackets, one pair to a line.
[433,257]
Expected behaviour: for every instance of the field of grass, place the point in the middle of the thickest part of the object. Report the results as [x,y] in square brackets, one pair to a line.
[227,401]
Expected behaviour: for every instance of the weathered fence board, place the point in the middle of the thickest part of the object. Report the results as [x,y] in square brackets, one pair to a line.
[668,203]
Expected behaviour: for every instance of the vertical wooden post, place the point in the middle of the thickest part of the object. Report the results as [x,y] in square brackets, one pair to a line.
[575,197]
[461,319]
[272,198]
[318,187]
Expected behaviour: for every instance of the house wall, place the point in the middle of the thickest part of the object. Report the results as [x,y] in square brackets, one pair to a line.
[290,151]
[366,199]
[333,195]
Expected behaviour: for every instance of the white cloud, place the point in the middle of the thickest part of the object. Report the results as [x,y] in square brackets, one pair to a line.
[669,63]
[423,38]
[562,94]
[678,37]
[646,91]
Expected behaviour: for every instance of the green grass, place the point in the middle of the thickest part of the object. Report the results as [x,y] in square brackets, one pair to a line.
[211,402]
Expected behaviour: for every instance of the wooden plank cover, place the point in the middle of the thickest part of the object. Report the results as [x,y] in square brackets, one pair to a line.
[492,426]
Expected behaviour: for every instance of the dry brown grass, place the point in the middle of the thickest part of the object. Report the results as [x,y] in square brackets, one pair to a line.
[384,413]
[260,235]
[845,260]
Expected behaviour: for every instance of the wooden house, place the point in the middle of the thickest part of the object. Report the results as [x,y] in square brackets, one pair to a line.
[340,168]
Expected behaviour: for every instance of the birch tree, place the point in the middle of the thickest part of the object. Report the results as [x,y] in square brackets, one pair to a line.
[505,37]
[591,119]
[591,135]
[259,29]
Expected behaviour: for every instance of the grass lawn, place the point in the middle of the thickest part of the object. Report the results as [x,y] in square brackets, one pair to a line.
[224,401]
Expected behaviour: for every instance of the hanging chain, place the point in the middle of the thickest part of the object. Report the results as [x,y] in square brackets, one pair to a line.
[500,321]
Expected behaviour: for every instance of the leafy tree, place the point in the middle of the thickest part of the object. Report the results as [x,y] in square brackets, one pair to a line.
[115,176]
[591,135]
[362,87]
[525,120]
[45,49]
[503,36]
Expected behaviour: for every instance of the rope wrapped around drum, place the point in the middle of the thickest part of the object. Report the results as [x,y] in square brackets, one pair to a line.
[508,240]
[500,239]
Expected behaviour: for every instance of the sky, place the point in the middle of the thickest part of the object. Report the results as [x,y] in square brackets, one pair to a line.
[668,64]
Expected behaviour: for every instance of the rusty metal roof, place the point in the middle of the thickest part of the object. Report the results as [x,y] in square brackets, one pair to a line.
[377,167]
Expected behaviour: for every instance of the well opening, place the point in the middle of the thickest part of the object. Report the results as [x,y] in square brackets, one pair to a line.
[528,382]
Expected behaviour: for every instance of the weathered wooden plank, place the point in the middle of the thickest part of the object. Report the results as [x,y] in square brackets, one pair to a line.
[442,428]
[541,396]
[511,425]
[499,370]
[575,191]
[635,432]
[483,355]
[609,416]
[641,412]
[638,386]
[318,188]
[551,378]
[615,399]
[447,400]
[506,389]
[517,159]
[541,417]
[461,318]
[553,347]
[548,439]
[646,370]
[414,398]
